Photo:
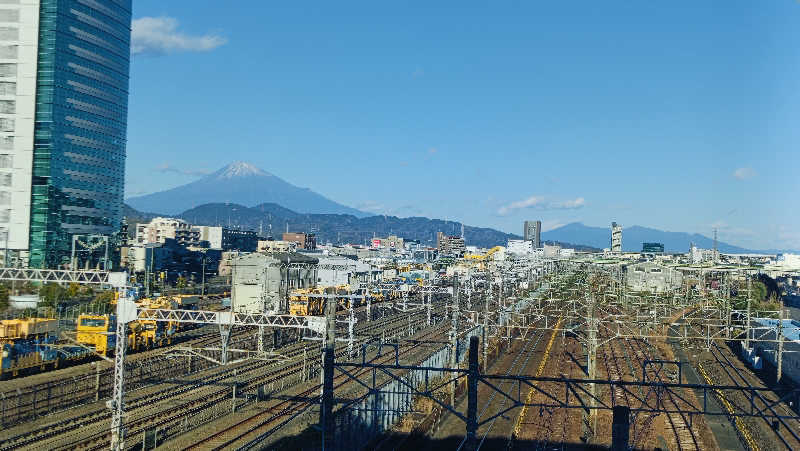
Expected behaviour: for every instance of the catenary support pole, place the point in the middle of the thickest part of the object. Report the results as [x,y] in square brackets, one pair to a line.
[472,395]
[779,357]
[326,411]
[225,335]
[117,406]
[620,427]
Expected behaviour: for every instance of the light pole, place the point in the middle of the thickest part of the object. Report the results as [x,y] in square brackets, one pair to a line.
[203,284]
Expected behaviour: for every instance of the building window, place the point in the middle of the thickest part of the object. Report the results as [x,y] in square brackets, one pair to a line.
[8,51]
[5,215]
[8,88]
[9,15]
[5,198]
[9,33]
[8,106]
[6,161]
[6,124]
[5,179]
[8,69]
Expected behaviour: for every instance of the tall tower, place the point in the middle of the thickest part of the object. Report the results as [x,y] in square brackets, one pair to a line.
[716,252]
[64,68]
[532,231]
[616,237]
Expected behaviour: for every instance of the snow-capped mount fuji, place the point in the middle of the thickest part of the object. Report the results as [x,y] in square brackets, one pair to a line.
[240,169]
[239,183]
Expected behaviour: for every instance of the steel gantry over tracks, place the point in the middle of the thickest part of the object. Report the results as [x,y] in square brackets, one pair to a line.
[128,311]
[55,275]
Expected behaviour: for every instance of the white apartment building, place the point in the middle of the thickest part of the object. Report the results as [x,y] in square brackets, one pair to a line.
[212,234]
[520,247]
[159,229]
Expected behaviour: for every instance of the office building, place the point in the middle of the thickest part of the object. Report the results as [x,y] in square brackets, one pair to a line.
[533,233]
[64,67]
[616,238]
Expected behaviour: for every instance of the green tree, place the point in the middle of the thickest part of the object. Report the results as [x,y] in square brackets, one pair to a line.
[51,294]
[87,291]
[73,290]
[104,297]
[759,291]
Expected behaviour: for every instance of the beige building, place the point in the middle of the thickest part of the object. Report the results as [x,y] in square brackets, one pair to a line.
[159,229]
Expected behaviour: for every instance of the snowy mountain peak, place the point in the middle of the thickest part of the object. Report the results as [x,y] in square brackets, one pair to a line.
[239,169]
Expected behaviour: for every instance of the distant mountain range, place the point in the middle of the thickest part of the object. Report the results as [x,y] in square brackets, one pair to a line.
[242,195]
[273,219]
[239,183]
[634,236]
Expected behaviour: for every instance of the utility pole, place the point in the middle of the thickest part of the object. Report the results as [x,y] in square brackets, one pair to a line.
[326,412]
[747,329]
[780,343]
[472,394]
[430,300]
[203,284]
[486,335]
[589,416]
[454,339]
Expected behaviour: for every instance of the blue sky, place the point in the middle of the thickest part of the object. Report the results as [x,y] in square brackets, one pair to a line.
[681,116]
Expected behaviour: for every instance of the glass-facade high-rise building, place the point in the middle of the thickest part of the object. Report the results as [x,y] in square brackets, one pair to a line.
[533,232]
[63,116]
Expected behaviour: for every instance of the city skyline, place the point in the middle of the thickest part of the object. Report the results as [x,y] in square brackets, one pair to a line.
[588,115]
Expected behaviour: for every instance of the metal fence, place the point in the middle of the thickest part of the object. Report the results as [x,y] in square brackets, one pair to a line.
[385,406]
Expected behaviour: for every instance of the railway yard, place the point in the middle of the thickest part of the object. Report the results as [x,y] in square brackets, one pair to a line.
[539,357]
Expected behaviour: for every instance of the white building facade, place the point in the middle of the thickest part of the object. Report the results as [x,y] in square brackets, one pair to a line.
[19,40]
[520,247]
[159,229]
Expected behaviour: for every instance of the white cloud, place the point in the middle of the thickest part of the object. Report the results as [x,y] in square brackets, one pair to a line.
[573,204]
[541,203]
[159,35]
[744,173]
[531,202]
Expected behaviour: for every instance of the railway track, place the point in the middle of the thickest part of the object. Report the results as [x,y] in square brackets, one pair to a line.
[685,436]
[20,402]
[263,423]
[141,410]
[760,401]
[528,350]
[532,392]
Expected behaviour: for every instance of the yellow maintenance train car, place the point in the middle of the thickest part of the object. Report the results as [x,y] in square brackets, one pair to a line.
[310,301]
